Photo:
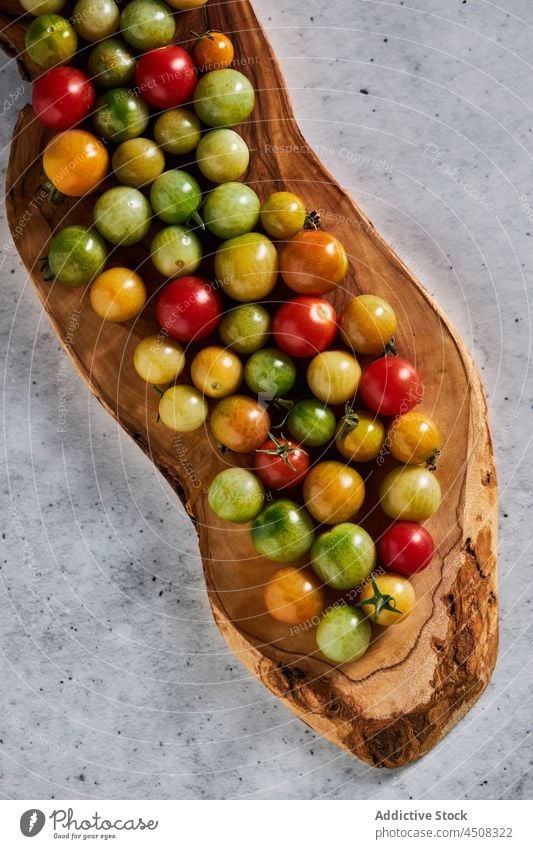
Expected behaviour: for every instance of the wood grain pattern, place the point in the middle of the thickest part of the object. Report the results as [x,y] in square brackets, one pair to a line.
[412,686]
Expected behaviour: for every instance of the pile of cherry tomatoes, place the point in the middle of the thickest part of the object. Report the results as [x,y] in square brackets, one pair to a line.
[279,376]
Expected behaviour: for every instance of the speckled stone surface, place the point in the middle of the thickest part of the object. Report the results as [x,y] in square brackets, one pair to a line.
[115,682]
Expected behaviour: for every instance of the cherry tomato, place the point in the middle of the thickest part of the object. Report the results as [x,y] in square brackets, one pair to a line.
[189,308]
[177,131]
[411,493]
[51,40]
[343,556]
[216,371]
[406,547]
[387,599]
[118,294]
[62,97]
[95,20]
[75,162]
[183,409]
[304,326]
[236,495]
[313,262]
[360,436]
[333,492]
[247,267]
[414,439]
[185,5]
[270,373]
[283,531]
[343,634]
[240,423]
[166,77]
[245,328]
[212,51]
[333,376]
[390,386]
[294,595]
[137,162]
[283,215]
[281,463]
[158,360]
[368,323]
[311,422]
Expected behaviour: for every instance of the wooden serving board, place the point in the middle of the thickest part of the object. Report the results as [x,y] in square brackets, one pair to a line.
[417,680]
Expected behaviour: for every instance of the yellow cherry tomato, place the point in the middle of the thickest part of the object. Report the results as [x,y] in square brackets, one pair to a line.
[158,359]
[183,408]
[367,324]
[294,595]
[333,492]
[216,371]
[118,294]
[283,215]
[414,439]
[360,436]
[333,376]
[387,599]
[75,162]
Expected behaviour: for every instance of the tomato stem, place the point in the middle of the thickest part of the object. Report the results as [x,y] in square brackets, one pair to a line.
[390,348]
[197,218]
[431,461]
[350,420]
[54,195]
[158,390]
[282,450]
[312,220]
[380,601]
[47,272]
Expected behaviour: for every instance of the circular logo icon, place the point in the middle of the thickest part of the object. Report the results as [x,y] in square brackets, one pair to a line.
[32,822]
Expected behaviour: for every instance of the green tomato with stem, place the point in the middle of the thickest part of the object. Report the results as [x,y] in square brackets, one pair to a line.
[343,634]
[223,98]
[222,156]
[177,131]
[230,210]
[176,251]
[311,422]
[236,495]
[175,196]
[147,24]
[120,115]
[344,556]
[112,64]
[245,329]
[122,215]
[283,531]
[270,373]
[77,255]
[51,40]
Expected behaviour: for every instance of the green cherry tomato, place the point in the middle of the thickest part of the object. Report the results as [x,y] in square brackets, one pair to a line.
[112,64]
[122,215]
[95,19]
[222,156]
[410,493]
[343,557]
[42,7]
[247,267]
[245,329]
[270,373]
[283,531]
[147,24]
[311,422]
[230,210]
[236,495]
[175,196]
[120,115]
[223,98]
[51,40]
[343,634]
[183,409]
[176,251]
[77,255]
[137,162]
[283,215]
[177,131]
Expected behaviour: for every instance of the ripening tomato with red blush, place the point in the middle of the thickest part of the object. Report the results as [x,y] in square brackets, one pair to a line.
[166,77]
[62,97]
[390,386]
[189,308]
[305,326]
[281,463]
[406,547]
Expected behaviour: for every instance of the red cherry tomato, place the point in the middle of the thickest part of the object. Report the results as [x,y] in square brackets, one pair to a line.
[406,548]
[62,97]
[281,463]
[390,386]
[166,77]
[304,326]
[189,309]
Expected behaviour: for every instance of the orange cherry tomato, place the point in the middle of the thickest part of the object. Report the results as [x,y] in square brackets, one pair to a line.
[118,294]
[75,162]
[213,51]
[387,598]
[240,423]
[294,595]
[333,492]
[313,262]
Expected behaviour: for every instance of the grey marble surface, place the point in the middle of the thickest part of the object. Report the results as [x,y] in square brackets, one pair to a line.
[114,680]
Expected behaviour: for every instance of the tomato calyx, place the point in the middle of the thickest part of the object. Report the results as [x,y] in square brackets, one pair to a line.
[282,449]
[197,219]
[312,220]
[380,601]
[390,348]
[286,406]
[350,420]
[431,461]
[54,195]
[46,271]
[198,36]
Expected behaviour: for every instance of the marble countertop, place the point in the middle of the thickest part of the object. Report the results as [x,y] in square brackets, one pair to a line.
[115,681]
